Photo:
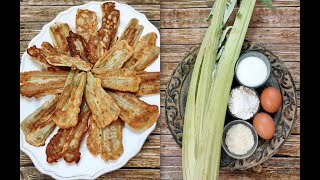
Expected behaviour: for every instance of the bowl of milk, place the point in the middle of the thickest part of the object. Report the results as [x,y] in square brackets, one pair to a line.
[252,69]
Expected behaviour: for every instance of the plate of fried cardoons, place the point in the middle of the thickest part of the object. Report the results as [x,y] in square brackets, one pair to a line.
[89,90]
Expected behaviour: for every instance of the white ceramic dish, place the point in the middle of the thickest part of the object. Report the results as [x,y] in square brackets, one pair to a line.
[89,167]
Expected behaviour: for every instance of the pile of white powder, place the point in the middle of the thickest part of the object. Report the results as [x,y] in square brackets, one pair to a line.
[239,139]
[243,102]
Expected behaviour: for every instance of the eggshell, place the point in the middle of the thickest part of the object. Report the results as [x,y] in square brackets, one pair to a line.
[264,125]
[271,99]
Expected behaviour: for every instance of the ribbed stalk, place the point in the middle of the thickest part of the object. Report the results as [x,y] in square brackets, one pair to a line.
[219,93]
[198,92]
[207,98]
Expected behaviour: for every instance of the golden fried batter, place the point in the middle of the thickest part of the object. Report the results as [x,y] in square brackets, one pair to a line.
[115,57]
[66,143]
[102,40]
[59,33]
[66,114]
[103,107]
[86,23]
[150,83]
[38,126]
[95,48]
[112,146]
[40,83]
[68,61]
[77,46]
[146,40]
[135,112]
[106,141]
[118,79]
[39,56]
[110,23]
[94,140]
[132,32]
[145,57]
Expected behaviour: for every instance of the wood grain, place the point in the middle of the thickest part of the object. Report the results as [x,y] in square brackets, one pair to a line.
[185,4]
[274,168]
[187,36]
[261,17]
[79,2]
[43,13]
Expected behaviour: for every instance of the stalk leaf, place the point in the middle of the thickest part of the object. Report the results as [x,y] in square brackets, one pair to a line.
[268,3]
[223,36]
[228,11]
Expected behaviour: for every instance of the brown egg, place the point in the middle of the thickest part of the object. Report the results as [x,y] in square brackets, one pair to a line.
[264,125]
[271,99]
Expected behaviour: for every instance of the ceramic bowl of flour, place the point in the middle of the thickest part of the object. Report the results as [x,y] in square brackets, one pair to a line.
[252,69]
[243,103]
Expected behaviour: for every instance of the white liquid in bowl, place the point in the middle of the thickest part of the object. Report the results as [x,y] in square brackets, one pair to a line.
[252,71]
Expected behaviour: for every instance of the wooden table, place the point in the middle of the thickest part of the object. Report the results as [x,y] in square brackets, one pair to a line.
[34,15]
[183,24]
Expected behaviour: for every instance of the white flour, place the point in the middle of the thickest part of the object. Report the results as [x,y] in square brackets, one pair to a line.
[243,102]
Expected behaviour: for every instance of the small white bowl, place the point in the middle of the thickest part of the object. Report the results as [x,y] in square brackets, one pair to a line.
[258,55]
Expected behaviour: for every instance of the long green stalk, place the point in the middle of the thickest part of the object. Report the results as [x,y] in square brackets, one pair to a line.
[207,98]
[220,90]
[199,90]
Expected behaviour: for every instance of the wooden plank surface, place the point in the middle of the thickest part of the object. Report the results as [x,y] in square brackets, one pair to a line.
[34,15]
[183,25]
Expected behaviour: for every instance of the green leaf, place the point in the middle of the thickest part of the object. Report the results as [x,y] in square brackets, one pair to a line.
[268,3]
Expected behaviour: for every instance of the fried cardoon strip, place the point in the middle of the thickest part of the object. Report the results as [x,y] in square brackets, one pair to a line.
[57,145]
[110,23]
[118,79]
[138,114]
[77,46]
[38,126]
[106,141]
[49,49]
[103,107]
[150,83]
[112,146]
[95,48]
[59,33]
[86,23]
[146,40]
[102,40]
[68,61]
[115,57]
[66,143]
[39,56]
[72,153]
[66,114]
[145,57]
[41,83]
[94,140]
[132,32]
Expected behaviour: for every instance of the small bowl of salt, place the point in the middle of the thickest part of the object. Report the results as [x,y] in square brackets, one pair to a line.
[252,69]
[240,139]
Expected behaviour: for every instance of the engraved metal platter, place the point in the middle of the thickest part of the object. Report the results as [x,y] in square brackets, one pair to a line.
[285,117]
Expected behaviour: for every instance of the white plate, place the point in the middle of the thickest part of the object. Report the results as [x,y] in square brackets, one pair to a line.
[89,167]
